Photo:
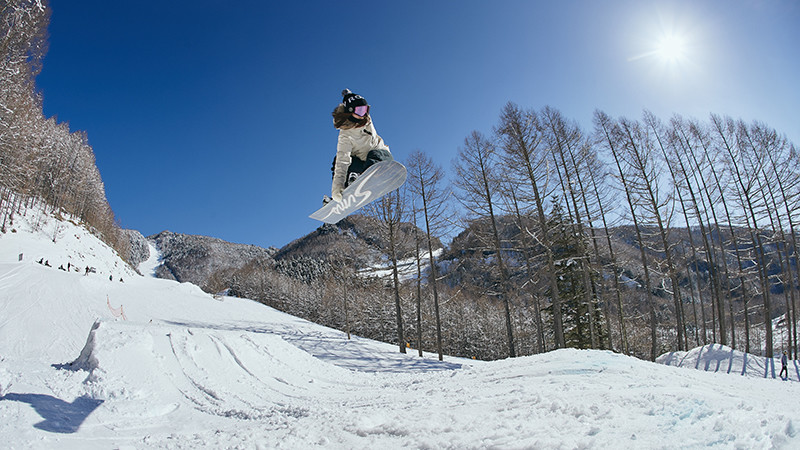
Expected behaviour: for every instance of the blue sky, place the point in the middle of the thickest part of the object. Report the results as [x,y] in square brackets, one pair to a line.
[213,118]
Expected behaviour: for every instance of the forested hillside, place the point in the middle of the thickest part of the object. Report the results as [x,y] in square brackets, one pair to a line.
[588,228]
[640,236]
[195,259]
[580,237]
[43,164]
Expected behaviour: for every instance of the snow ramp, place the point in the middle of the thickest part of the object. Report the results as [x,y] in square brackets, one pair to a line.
[162,369]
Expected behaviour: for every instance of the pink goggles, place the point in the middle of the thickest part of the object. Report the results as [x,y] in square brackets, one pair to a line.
[361,110]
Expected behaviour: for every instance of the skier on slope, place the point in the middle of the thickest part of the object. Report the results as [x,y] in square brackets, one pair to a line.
[784,368]
[359,145]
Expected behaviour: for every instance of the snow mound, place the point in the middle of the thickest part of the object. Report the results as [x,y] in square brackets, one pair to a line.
[222,372]
[723,359]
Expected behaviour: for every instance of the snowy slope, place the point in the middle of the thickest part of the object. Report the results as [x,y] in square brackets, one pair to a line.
[723,359]
[180,369]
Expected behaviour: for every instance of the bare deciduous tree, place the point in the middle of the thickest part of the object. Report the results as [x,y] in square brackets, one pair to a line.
[390,209]
[478,191]
[519,136]
[613,138]
[426,183]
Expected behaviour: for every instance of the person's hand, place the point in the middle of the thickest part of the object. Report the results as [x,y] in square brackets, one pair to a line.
[336,194]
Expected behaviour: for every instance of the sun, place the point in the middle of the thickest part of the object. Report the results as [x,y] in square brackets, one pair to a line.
[667,50]
[666,43]
[671,48]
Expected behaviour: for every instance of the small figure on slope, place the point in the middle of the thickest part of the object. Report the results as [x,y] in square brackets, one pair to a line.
[358,146]
[784,368]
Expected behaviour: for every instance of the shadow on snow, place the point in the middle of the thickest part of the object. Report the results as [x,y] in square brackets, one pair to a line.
[59,416]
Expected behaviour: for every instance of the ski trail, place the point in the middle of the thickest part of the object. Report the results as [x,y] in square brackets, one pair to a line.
[148,267]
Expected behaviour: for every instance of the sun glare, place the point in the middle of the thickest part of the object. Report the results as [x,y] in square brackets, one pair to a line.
[667,46]
[671,48]
[666,42]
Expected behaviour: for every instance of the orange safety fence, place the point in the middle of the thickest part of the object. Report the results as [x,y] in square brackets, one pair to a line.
[118,312]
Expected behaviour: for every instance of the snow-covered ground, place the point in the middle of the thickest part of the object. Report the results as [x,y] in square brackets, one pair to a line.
[88,362]
[723,359]
[406,268]
[148,267]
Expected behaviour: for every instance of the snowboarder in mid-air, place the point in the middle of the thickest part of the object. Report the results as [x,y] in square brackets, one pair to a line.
[359,145]
[363,169]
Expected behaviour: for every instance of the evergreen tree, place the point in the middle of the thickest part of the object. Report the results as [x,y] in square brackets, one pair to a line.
[568,249]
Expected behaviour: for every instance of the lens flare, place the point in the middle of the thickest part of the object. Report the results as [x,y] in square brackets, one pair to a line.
[671,48]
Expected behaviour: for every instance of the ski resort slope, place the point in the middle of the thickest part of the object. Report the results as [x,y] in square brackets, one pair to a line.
[87,362]
[723,359]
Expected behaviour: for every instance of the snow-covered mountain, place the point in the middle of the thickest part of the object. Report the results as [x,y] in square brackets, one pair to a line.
[197,258]
[112,359]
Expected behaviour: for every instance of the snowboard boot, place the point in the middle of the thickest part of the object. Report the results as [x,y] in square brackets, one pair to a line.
[351,178]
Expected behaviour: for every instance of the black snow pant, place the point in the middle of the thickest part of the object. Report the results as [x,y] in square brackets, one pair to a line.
[358,166]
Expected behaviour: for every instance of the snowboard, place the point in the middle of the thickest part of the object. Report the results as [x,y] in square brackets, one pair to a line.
[378,180]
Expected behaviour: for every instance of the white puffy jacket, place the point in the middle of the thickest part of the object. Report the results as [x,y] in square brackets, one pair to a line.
[354,142]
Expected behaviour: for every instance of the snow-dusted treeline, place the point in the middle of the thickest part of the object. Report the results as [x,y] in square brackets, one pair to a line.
[641,236]
[41,162]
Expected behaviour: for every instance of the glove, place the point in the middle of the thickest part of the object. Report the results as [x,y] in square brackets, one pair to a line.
[336,194]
